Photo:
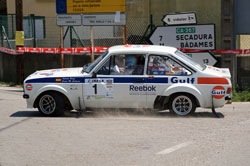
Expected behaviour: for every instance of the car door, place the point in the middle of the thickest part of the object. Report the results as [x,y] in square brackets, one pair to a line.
[119,83]
[163,71]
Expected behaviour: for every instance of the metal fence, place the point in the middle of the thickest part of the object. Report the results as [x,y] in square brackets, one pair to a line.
[43,32]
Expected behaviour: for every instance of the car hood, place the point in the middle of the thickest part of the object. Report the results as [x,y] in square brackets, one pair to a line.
[64,72]
[223,72]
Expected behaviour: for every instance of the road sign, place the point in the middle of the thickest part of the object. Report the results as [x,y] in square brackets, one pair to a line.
[68,19]
[104,19]
[89,6]
[190,36]
[180,19]
[203,58]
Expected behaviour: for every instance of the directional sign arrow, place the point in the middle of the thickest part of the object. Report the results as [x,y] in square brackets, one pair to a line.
[188,36]
[203,58]
[180,19]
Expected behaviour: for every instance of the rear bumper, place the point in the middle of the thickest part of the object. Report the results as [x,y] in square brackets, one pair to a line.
[228,98]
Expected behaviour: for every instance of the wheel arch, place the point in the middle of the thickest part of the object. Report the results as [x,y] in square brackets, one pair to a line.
[55,89]
[184,89]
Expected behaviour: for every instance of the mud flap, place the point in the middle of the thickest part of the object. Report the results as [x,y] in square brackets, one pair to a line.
[213,109]
[80,111]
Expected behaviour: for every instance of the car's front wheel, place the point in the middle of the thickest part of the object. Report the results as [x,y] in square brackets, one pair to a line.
[51,104]
[182,104]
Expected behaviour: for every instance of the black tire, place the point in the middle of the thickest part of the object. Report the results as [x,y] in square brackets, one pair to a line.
[51,104]
[182,104]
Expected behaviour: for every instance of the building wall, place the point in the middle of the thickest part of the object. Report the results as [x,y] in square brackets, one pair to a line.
[138,12]
[37,7]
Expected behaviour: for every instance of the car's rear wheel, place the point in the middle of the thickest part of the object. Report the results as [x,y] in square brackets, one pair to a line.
[182,104]
[51,104]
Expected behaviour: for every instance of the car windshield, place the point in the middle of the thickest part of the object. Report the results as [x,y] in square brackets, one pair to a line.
[189,59]
[88,67]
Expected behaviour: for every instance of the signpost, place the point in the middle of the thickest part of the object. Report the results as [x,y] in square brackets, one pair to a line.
[203,58]
[190,36]
[180,19]
[91,13]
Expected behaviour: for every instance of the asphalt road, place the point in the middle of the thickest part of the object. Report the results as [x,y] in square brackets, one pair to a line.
[122,138]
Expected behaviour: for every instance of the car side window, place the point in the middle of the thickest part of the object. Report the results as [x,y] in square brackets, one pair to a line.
[105,69]
[124,64]
[164,65]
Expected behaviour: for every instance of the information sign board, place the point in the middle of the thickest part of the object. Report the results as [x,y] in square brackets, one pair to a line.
[89,6]
[104,19]
[68,19]
[203,58]
[180,19]
[190,36]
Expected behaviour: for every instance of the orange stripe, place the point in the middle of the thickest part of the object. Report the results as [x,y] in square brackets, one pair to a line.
[212,80]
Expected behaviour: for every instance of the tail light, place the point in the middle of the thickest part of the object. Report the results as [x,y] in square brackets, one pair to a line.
[229,90]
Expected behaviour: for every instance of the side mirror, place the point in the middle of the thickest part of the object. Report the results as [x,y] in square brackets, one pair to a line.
[94,75]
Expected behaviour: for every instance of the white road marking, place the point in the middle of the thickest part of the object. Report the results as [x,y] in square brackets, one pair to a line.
[174,148]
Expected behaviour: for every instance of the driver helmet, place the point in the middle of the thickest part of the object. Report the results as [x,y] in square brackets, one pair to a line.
[130,61]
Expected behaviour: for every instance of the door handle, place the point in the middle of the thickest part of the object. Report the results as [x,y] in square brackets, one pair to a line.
[140,80]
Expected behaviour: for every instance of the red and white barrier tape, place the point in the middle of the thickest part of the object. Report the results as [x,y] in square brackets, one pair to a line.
[80,50]
[9,51]
[243,51]
[86,50]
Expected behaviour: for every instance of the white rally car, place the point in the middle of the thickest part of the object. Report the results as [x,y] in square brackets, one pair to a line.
[130,76]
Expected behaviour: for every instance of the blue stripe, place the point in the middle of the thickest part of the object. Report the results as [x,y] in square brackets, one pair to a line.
[82,80]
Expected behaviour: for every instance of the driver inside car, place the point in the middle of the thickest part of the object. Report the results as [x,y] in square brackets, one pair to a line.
[127,67]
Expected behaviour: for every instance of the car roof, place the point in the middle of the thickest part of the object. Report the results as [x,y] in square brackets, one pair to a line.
[153,49]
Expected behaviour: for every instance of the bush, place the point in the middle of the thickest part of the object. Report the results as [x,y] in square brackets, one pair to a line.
[241,96]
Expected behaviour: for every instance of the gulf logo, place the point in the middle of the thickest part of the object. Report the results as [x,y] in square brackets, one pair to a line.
[29,87]
[218,92]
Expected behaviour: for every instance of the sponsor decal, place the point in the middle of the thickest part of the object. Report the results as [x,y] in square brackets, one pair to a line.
[58,80]
[169,73]
[212,80]
[162,73]
[176,69]
[109,82]
[29,87]
[218,92]
[46,74]
[142,90]
[94,80]
[70,80]
[99,97]
[176,80]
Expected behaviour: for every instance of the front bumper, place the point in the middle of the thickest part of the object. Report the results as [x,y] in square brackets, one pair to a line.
[26,96]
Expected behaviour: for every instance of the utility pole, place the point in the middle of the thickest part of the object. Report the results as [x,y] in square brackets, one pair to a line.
[19,40]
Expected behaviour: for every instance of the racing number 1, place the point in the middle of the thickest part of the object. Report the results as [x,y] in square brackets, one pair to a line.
[95,87]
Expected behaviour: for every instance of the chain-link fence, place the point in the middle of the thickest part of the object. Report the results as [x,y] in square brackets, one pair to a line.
[43,32]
